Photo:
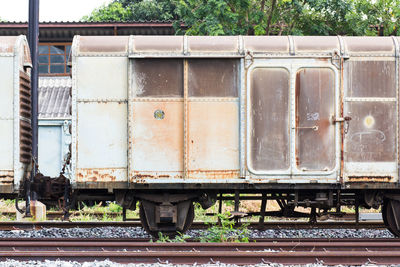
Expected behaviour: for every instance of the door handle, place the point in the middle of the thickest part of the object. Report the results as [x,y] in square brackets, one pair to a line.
[344,120]
[347,118]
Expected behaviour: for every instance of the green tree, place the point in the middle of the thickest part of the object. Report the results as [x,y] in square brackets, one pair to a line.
[134,10]
[261,17]
[375,17]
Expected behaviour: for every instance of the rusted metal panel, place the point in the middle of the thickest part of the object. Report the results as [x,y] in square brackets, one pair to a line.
[315,130]
[102,139]
[7,44]
[372,78]
[370,143]
[270,44]
[213,139]
[213,77]
[370,179]
[269,140]
[316,44]
[158,77]
[100,174]
[100,120]
[371,135]
[15,136]
[157,139]
[218,44]
[367,44]
[103,44]
[157,44]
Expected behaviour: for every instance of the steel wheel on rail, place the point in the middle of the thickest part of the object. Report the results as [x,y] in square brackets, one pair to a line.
[391,215]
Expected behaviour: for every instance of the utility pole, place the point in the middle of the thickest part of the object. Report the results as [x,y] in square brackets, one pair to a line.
[33,40]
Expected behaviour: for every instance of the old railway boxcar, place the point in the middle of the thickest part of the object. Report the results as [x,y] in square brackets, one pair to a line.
[15,113]
[169,120]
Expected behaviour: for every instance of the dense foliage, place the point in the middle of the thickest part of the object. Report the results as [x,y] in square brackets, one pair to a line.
[261,17]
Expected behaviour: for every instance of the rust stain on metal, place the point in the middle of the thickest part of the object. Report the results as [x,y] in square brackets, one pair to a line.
[341,102]
[96,175]
[214,174]
[142,176]
[358,179]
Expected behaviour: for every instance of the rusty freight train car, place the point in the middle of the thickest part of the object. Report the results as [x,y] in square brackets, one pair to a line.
[167,121]
[15,113]
[172,120]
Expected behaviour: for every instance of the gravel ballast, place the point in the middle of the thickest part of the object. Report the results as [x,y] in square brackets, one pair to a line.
[138,232]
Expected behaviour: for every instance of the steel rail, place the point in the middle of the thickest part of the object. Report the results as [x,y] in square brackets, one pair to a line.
[355,251]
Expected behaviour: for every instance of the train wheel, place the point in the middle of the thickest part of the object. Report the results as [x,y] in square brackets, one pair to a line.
[162,228]
[391,215]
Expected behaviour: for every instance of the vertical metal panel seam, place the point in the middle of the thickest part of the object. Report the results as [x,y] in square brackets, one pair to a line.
[185,118]
[341,104]
[242,115]
[185,109]
[292,119]
[74,115]
[397,57]
[242,119]
[292,51]
[185,44]
[130,112]
[241,44]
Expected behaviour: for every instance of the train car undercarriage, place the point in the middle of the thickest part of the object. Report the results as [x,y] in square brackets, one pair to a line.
[172,211]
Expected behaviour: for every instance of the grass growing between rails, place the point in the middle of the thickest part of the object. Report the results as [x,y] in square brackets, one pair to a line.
[225,231]
[216,233]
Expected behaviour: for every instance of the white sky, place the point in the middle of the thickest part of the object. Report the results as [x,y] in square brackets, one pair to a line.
[50,10]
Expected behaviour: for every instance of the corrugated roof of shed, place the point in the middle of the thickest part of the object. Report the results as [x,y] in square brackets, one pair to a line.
[54,97]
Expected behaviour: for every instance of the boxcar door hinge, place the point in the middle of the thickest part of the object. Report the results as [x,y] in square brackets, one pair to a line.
[248,59]
[336,59]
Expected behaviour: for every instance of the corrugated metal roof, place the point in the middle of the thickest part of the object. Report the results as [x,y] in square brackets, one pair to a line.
[54,97]
[65,31]
[91,22]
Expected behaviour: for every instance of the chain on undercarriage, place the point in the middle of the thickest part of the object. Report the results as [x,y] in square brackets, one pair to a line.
[49,190]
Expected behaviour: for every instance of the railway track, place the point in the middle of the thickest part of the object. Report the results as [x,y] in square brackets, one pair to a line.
[285,251]
[27,225]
